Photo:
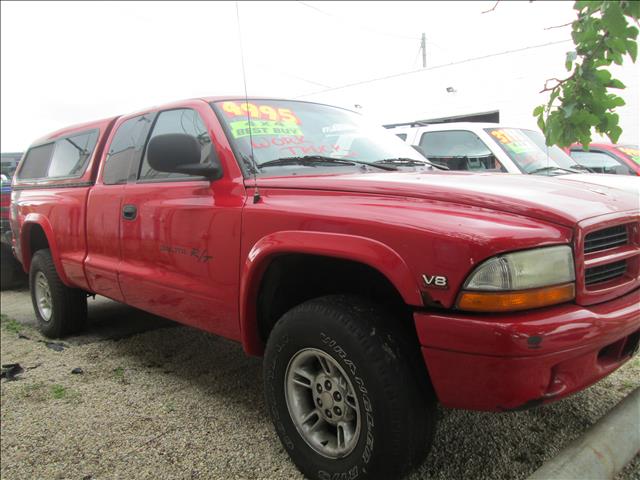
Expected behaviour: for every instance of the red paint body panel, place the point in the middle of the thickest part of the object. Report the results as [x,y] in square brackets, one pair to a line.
[179,257]
[61,214]
[433,237]
[103,240]
[538,197]
[504,362]
[197,251]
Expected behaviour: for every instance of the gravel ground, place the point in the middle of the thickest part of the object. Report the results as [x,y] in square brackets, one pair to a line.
[158,400]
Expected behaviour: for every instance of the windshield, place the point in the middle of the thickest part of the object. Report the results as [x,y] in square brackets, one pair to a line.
[459,150]
[527,149]
[556,153]
[282,129]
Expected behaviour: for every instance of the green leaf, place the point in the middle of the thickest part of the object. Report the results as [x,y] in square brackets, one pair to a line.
[571,56]
[611,120]
[617,101]
[615,83]
[632,32]
[614,134]
[616,44]
[538,110]
[613,19]
[568,109]
[580,5]
[603,75]
[632,48]
[632,9]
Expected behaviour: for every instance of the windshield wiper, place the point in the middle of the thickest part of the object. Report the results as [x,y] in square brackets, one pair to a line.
[577,166]
[408,162]
[315,160]
[549,169]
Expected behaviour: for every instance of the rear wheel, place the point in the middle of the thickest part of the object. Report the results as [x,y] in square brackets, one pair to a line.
[343,391]
[60,310]
[11,270]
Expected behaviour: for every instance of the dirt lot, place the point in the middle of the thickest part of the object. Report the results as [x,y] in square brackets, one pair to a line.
[158,400]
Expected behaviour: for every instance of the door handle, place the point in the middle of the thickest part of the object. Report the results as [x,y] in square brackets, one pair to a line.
[129,212]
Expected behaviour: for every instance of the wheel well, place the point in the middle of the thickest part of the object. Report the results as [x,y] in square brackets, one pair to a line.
[295,278]
[37,239]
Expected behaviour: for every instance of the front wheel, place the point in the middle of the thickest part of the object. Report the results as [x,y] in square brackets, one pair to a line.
[343,391]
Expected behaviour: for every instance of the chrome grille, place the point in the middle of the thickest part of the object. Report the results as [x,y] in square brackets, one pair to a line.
[607,238]
[604,273]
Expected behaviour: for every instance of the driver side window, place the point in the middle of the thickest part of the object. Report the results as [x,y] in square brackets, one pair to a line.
[184,120]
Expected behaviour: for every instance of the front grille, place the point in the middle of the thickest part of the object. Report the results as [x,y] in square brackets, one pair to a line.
[607,238]
[604,273]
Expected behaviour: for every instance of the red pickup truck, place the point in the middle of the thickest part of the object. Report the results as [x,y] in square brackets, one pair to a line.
[374,283]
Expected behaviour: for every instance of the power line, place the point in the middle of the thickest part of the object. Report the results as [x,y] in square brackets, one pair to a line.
[394,75]
[360,26]
[291,75]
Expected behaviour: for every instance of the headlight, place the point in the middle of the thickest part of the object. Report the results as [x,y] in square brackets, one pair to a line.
[520,280]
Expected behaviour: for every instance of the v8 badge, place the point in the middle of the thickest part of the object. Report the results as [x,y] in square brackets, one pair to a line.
[435,281]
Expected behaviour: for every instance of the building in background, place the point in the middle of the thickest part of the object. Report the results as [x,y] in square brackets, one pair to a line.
[503,87]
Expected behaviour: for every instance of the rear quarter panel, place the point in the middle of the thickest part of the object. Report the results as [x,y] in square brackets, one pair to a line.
[60,212]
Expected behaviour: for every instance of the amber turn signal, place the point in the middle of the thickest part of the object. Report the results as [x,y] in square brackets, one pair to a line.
[518,300]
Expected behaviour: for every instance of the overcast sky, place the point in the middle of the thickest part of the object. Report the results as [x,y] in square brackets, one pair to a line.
[70,62]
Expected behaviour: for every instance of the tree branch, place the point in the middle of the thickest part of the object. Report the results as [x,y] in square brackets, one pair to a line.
[559,26]
[493,8]
[558,83]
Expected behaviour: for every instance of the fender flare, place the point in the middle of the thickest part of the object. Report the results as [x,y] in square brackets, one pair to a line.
[349,247]
[30,220]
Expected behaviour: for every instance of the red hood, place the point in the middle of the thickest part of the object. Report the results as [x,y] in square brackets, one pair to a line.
[545,198]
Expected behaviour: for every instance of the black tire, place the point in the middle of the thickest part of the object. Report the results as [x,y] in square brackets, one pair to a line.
[379,357]
[12,275]
[68,305]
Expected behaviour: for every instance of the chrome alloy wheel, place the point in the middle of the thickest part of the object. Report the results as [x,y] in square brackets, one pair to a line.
[322,403]
[42,292]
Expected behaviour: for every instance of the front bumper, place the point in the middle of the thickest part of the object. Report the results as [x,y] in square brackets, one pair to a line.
[512,361]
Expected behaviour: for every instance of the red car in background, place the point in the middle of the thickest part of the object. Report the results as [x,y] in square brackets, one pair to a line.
[608,158]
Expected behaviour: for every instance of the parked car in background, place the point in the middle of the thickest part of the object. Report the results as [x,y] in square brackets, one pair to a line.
[11,274]
[608,158]
[491,147]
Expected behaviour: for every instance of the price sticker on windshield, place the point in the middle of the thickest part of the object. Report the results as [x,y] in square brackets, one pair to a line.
[634,153]
[259,112]
[244,128]
[513,140]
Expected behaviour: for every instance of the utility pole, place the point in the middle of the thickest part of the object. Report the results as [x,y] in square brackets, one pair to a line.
[423,47]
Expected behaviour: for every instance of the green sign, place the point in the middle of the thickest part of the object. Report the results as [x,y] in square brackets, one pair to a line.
[242,128]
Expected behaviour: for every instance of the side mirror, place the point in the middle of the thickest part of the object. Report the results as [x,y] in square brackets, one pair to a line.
[180,153]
